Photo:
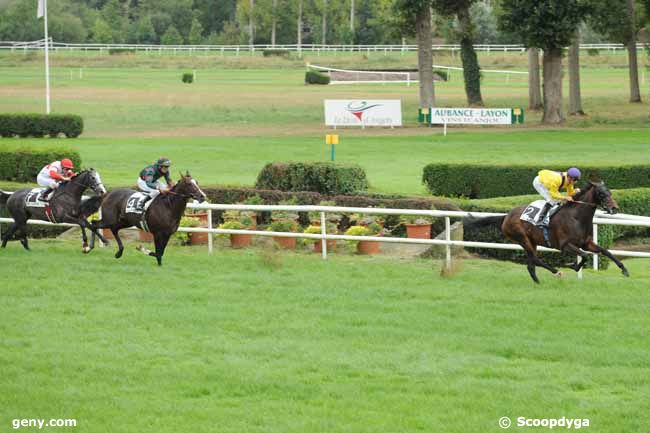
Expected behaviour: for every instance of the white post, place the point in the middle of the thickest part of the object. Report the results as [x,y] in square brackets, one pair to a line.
[81,73]
[448,239]
[595,239]
[445,127]
[47,60]
[579,261]
[210,234]
[194,75]
[323,232]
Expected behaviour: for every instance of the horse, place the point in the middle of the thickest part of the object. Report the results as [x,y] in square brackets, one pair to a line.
[162,217]
[65,205]
[570,229]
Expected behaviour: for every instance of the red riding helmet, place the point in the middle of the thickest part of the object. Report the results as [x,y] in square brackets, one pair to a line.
[66,163]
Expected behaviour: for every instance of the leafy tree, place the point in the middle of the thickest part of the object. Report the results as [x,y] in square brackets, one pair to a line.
[196,33]
[171,37]
[66,27]
[145,32]
[102,33]
[549,25]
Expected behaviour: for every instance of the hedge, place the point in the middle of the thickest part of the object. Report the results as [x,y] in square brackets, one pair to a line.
[486,181]
[23,164]
[276,52]
[631,201]
[39,125]
[187,77]
[313,77]
[323,177]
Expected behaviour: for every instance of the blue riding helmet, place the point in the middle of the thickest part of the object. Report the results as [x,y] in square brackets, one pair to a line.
[574,173]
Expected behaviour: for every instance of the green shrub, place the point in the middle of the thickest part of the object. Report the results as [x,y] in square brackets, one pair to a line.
[283,226]
[322,177]
[593,51]
[485,181]
[314,77]
[117,51]
[444,75]
[185,237]
[38,125]
[22,165]
[276,52]
[188,77]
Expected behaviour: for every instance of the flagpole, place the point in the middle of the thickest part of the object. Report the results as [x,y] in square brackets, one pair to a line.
[47,60]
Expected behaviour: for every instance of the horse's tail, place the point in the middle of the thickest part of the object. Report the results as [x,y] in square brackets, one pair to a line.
[90,206]
[474,222]
[4,197]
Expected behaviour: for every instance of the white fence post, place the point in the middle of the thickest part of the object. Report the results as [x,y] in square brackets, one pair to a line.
[448,238]
[323,232]
[595,239]
[210,235]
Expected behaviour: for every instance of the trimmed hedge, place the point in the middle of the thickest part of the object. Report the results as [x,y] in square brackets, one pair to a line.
[486,181]
[276,52]
[22,164]
[323,177]
[631,201]
[188,78]
[313,77]
[39,125]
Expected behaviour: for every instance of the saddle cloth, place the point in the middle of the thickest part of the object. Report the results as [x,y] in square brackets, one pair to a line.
[135,203]
[532,210]
[32,198]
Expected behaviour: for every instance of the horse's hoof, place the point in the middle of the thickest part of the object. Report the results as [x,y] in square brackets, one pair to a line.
[85,250]
[559,274]
[626,273]
[118,254]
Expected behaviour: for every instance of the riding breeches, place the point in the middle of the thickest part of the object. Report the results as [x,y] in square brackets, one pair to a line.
[47,182]
[543,191]
[153,192]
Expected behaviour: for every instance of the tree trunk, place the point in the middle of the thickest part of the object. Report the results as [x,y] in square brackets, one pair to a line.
[274,22]
[251,24]
[552,86]
[352,17]
[575,99]
[299,25]
[425,56]
[534,92]
[324,28]
[471,69]
[635,93]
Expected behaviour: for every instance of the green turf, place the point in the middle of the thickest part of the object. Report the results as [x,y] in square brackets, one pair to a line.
[241,342]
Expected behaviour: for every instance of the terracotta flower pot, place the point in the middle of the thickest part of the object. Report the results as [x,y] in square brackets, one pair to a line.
[107,233]
[201,216]
[368,247]
[331,245]
[240,241]
[418,231]
[199,238]
[145,236]
[286,243]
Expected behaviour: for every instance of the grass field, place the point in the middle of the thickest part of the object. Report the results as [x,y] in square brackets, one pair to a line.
[237,342]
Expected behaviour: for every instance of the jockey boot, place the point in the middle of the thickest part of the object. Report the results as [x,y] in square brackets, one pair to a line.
[542,215]
[44,195]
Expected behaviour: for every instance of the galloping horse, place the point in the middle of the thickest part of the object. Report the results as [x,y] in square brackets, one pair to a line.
[162,217]
[65,206]
[570,230]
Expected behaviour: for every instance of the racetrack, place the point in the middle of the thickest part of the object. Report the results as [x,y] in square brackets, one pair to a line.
[253,341]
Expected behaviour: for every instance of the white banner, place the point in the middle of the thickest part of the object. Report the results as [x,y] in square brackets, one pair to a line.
[41,8]
[472,116]
[345,112]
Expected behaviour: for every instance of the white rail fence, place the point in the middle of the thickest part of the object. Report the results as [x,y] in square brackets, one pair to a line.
[600,219]
[314,48]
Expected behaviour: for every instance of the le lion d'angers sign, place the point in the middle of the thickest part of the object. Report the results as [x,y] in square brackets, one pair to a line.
[477,116]
[342,112]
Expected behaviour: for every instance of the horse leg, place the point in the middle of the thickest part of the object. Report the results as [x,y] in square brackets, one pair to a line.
[577,251]
[160,240]
[9,234]
[534,260]
[120,246]
[531,266]
[595,248]
[23,237]
[83,224]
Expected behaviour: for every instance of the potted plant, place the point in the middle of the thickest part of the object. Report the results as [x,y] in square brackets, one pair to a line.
[202,218]
[366,247]
[314,217]
[237,240]
[318,243]
[248,219]
[285,226]
[185,238]
[417,226]
[255,200]
[283,215]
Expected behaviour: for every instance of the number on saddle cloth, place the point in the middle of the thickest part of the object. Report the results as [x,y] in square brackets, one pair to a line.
[137,203]
[32,198]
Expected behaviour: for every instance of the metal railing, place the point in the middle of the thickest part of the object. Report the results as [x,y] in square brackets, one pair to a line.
[600,219]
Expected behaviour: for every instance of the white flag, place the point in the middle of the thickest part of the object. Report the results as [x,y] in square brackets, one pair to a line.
[41,8]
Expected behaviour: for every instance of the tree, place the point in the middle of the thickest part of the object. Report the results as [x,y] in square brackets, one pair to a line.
[575,98]
[549,25]
[102,33]
[414,17]
[534,93]
[196,32]
[171,37]
[145,32]
[471,68]
[620,22]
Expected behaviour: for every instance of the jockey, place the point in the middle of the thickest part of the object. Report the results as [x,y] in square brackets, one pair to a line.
[52,175]
[150,182]
[549,183]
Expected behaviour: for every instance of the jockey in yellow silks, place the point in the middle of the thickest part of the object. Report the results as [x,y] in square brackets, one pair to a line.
[549,183]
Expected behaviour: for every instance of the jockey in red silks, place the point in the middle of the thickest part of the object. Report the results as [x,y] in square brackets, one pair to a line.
[52,175]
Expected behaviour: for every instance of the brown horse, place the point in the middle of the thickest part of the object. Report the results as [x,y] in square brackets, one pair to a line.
[162,217]
[570,229]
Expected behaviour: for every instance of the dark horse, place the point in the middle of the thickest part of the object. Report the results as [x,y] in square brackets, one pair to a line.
[66,206]
[570,230]
[162,217]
